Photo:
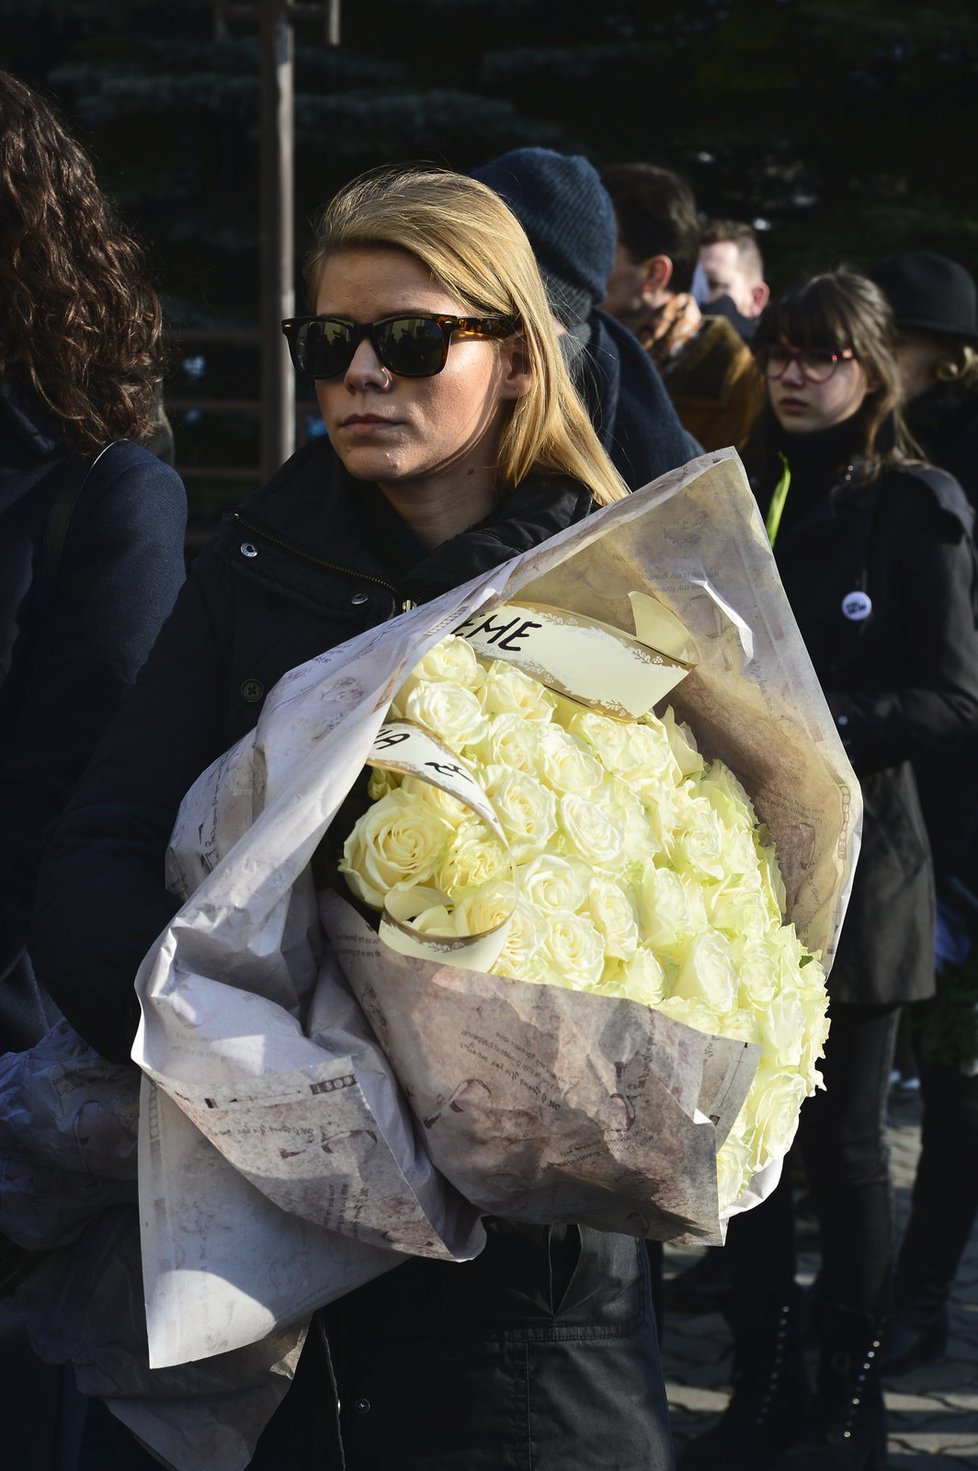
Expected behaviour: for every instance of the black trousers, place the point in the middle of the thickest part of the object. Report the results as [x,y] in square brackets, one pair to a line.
[842,1136]
[944,1203]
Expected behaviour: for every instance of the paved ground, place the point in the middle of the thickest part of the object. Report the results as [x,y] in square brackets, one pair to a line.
[933,1410]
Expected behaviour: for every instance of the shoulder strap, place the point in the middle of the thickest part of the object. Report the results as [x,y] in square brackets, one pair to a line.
[57,523]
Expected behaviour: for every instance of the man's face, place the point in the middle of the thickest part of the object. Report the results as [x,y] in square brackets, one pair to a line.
[725,276]
[624,293]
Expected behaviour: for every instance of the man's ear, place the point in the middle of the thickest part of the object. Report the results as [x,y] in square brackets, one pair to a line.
[760,295]
[656,275]
[517,367]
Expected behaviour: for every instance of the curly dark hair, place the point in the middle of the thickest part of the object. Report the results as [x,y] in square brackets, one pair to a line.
[78,320]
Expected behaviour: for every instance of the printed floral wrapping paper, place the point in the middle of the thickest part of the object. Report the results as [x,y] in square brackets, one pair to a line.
[237,1237]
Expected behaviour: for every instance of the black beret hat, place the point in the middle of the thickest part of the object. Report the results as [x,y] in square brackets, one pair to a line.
[930,293]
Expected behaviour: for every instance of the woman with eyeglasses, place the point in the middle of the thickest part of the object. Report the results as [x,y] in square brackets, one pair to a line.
[875,553]
[455,440]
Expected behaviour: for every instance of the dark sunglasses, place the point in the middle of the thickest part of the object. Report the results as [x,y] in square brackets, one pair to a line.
[817,364]
[413,346]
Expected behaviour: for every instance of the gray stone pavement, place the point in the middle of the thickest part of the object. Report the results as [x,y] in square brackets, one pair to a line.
[933,1411]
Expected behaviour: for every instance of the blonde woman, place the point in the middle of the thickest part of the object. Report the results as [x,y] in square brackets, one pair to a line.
[455,440]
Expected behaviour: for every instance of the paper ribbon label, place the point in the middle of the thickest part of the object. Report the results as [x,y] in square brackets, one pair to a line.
[591,662]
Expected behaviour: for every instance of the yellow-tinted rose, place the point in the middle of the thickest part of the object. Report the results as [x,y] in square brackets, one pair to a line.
[706,973]
[574,949]
[566,765]
[772,1107]
[449,711]
[552,883]
[526,809]
[614,915]
[590,832]
[475,857]
[508,691]
[450,661]
[398,842]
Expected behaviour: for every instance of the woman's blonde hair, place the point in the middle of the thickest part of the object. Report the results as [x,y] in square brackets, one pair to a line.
[477,250]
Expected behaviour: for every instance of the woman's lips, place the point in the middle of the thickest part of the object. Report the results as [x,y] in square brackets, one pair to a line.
[368,423]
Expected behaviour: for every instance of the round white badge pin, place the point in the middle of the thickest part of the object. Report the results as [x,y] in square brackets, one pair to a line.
[856,606]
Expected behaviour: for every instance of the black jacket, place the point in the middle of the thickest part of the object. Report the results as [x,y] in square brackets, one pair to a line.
[71,642]
[944,421]
[522,1357]
[882,580]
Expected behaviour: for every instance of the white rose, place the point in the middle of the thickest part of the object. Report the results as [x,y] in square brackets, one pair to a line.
[380,782]
[566,765]
[527,811]
[398,842]
[706,973]
[781,1027]
[574,949]
[478,913]
[700,844]
[639,840]
[727,796]
[486,909]
[442,802]
[510,741]
[520,955]
[449,711]
[757,962]
[508,691]
[681,743]
[692,1013]
[451,661]
[638,751]
[740,910]
[640,978]
[475,857]
[671,909]
[551,883]
[773,1105]
[733,1168]
[815,1008]
[614,915]
[771,881]
[590,832]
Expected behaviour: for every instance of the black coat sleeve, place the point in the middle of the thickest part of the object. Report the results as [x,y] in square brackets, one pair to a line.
[101,894]
[930,560]
[120,570]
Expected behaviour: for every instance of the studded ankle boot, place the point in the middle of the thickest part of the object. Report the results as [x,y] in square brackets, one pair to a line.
[770,1388]
[846,1429]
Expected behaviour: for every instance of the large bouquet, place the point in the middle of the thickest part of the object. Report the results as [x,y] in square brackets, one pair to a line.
[557,844]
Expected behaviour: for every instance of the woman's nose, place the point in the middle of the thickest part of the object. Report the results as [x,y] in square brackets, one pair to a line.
[366,370]
[793,371]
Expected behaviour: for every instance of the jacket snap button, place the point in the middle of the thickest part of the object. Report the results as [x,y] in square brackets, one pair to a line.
[248,549]
[358,599]
[362,1406]
[252,691]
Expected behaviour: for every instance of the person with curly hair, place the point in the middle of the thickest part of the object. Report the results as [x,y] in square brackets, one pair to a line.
[91,559]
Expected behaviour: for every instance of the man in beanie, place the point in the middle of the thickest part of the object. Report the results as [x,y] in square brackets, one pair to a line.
[708,370]
[570,223]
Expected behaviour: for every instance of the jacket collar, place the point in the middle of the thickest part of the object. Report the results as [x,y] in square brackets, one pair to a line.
[24,413]
[313,506]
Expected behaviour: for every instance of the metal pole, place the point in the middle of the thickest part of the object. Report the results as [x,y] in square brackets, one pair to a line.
[277,243]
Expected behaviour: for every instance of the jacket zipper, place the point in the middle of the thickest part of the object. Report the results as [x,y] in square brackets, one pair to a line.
[406,604]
